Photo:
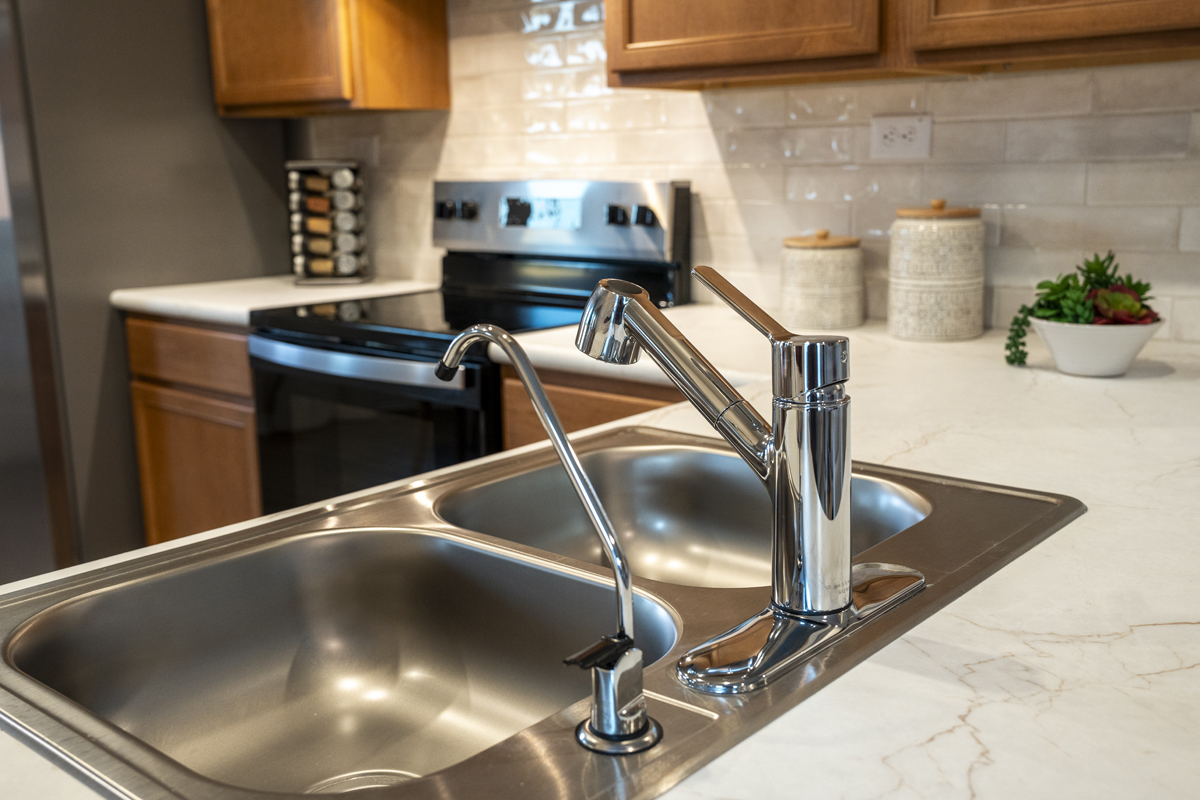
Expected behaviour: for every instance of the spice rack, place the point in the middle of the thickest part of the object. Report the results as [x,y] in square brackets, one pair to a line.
[325,200]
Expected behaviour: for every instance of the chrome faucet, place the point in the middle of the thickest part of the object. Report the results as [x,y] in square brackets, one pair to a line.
[619,722]
[803,458]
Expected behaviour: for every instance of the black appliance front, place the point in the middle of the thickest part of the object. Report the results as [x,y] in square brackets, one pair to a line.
[322,435]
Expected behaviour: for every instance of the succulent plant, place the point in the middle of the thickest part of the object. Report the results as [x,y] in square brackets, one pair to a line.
[1092,295]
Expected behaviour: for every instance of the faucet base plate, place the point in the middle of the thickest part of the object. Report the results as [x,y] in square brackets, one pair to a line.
[775,641]
[618,747]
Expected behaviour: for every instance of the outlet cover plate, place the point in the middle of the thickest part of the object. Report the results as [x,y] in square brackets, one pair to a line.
[901,137]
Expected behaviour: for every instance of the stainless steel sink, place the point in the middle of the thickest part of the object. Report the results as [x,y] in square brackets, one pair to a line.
[330,661]
[685,515]
[412,640]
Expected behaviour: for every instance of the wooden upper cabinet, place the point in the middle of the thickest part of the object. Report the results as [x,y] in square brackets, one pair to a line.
[295,57]
[682,34]
[949,24]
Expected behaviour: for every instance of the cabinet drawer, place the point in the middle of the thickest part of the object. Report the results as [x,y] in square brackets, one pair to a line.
[190,356]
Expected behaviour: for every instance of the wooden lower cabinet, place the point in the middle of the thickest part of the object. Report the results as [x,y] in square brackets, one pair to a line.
[193,412]
[580,401]
[198,458]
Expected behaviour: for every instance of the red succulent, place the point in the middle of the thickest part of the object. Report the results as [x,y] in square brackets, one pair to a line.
[1120,305]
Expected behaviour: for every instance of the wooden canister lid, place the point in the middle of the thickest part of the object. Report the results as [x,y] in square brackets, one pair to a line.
[937,210]
[821,239]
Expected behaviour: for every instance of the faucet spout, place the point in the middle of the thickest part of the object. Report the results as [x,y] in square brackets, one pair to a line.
[620,321]
[619,722]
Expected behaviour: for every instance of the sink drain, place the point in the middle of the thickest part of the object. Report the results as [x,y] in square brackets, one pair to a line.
[365,779]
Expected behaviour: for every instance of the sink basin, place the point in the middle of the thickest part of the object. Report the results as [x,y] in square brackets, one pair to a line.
[331,662]
[410,641]
[692,516]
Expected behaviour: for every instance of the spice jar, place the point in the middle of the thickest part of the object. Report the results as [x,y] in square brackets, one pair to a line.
[822,280]
[935,273]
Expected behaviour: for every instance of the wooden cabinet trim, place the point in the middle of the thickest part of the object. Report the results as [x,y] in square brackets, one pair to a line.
[860,36]
[931,28]
[217,360]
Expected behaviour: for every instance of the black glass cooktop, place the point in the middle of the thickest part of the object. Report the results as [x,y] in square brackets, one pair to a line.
[415,323]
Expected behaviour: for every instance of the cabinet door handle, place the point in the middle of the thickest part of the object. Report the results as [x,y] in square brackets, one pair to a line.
[395,371]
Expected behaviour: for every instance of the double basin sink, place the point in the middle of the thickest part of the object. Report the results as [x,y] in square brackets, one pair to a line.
[410,642]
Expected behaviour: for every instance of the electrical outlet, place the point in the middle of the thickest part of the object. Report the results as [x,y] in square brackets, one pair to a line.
[900,137]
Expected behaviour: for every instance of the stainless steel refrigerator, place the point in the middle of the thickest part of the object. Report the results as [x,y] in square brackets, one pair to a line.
[117,173]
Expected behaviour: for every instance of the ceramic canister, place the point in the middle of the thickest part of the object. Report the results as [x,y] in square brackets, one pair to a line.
[935,273]
[822,279]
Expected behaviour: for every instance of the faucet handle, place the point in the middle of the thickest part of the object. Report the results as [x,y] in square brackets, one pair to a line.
[763,322]
[801,364]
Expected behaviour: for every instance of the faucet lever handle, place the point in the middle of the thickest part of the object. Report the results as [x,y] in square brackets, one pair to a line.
[603,653]
[763,322]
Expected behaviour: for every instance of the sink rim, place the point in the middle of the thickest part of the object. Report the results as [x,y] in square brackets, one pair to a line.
[541,755]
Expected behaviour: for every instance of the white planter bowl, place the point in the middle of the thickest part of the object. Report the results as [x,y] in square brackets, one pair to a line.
[1095,351]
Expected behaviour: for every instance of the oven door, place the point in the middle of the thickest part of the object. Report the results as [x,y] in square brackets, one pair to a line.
[336,421]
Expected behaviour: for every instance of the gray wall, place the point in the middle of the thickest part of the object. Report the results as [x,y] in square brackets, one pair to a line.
[142,184]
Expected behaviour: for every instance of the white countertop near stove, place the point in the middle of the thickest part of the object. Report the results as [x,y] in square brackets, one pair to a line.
[230,302]
[1073,672]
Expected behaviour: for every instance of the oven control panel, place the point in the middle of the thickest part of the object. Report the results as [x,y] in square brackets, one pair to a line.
[601,219]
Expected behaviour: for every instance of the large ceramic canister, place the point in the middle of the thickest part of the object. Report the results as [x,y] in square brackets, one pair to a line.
[935,273]
[822,281]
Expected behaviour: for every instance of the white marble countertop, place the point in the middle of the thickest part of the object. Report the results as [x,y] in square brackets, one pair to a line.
[1073,672]
[230,302]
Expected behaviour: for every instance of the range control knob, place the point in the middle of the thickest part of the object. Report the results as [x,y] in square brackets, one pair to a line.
[468,210]
[617,215]
[644,215]
[445,209]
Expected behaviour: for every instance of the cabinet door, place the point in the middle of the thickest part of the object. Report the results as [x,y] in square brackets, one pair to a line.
[651,34]
[948,24]
[198,459]
[280,51]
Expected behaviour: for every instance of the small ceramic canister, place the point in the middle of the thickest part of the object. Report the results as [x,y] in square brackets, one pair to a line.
[935,273]
[822,281]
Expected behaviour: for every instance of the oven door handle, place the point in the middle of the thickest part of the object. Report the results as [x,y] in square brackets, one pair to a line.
[395,371]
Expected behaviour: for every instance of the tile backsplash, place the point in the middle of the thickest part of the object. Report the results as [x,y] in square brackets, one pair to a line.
[1063,163]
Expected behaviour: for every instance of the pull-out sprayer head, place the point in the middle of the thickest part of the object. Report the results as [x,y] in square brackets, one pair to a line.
[603,334]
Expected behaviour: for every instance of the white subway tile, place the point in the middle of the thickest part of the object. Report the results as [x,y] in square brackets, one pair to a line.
[1045,94]
[967,141]
[1165,306]
[820,145]
[1169,273]
[873,219]
[852,183]
[1186,312]
[617,112]
[581,149]
[1090,138]
[1194,147]
[1044,184]
[741,181]
[744,107]
[667,146]
[1091,228]
[1026,267]
[684,109]
[1152,183]
[1153,87]
[544,52]
[781,220]
[586,48]
[847,103]
[1005,302]
[1189,230]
